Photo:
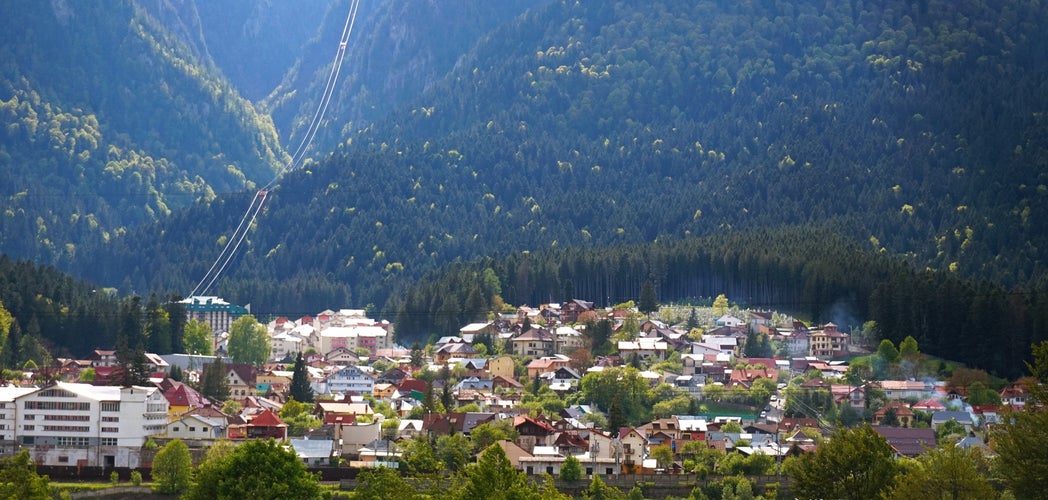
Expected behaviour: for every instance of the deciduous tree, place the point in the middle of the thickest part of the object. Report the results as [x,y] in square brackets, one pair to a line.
[1019,439]
[947,472]
[172,468]
[197,338]
[571,470]
[255,469]
[853,464]
[248,341]
[18,478]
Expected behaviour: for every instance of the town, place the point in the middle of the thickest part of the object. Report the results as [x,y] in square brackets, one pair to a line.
[609,391]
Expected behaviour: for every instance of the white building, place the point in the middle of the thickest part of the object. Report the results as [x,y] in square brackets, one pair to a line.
[7,416]
[87,425]
[348,380]
[283,344]
[352,337]
[197,427]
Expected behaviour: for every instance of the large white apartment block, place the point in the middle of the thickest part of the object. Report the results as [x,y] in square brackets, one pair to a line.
[88,425]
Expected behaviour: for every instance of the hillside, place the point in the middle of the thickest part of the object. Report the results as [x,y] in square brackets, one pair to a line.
[915,129]
[110,120]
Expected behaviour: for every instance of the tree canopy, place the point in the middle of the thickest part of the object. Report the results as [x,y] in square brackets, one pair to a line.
[255,469]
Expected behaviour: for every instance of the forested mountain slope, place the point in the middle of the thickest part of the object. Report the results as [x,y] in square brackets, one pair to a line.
[915,128]
[397,52]
[111,120]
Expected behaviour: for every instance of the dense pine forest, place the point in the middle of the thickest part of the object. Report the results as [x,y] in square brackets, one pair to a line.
[817,275]
[613,142]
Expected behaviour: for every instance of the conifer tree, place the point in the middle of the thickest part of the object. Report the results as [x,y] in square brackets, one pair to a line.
[215,386]
[300,388]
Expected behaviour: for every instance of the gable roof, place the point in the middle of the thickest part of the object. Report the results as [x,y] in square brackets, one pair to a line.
[906,441]
[268,418]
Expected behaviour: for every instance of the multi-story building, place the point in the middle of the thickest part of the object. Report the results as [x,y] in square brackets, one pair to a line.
[88,425]
[352,337]
[828,342]
[8,443]
[214,311]
[348,380]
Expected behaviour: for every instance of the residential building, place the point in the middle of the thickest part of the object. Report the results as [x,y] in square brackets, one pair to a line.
[370,337]
[88,425]
[828,342]
[348,380]
[534,343]
[196,427]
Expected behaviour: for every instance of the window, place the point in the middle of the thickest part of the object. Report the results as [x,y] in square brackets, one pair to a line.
[192,429]
[66,428]
[108,442]
[57,405]
[110,429]
[71,442]
[174,429]
[110,405]
[28,427]
[110,419]
[63,459]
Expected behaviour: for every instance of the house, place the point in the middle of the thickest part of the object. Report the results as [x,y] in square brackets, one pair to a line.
[661,431]
[534,343]
[729,321]
[572,309]
[903,416]
[471,331]
[314,452]
[643,347]
[335,412]
[501,366]
[285,345]
[453,350]
[853,396]
[384,391]
[1014,395]
[828,342]
[353,437]
[262,426]
[348,380]
[378,453]
[180,397]
[569,340]
[105,358]
[634,449]
[532,432]
[906,389]
[961,417]
[563,379]
[907,442]
[87,425]
[241,379]
[391,376]
[197,427]
[546,364]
